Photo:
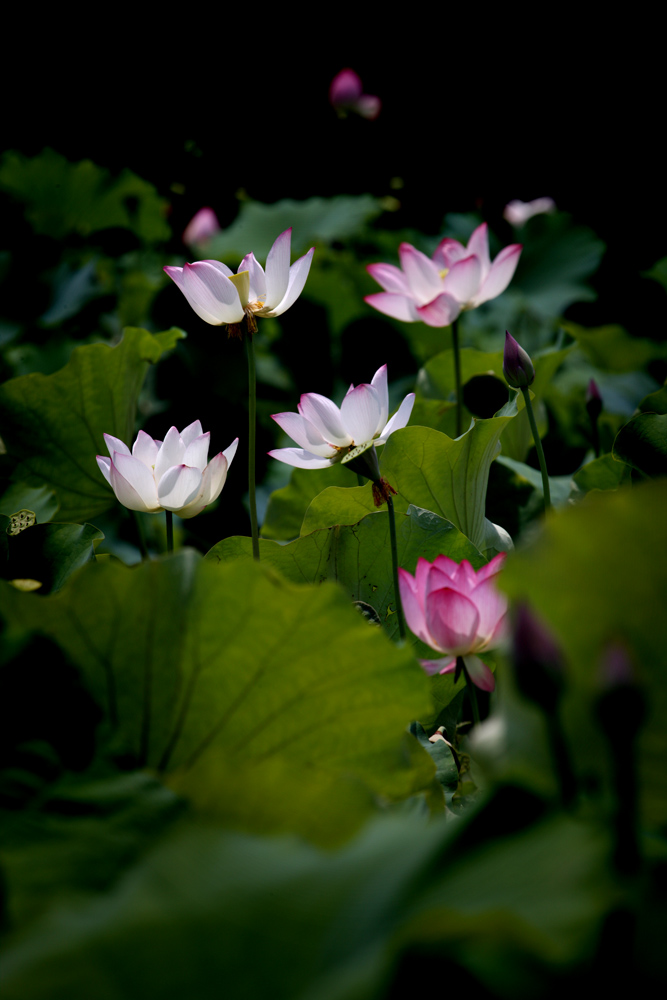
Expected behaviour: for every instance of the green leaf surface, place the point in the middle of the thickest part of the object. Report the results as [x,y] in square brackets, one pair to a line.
[358,556]
[642,443]
[342,505]
[287,506]
[597,575]
[20,496]
[560,487]
[54,424]
[611,348]
[63,197]
[445,475]
[277,685]
[655,402]
[603,473]
[50,553]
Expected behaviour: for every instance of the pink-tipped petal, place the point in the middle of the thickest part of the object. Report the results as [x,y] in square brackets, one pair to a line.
[256,278]
[196,453]
[422,274]
[178,486]
[277,269]
[115,444]
[326,417]
[213,479]
[500,275]
[299,458]
[399,419]
[479,673]
[443,666]
[397,306]
[412,608]
[448,252]
[479,245]
[298,273]
[210,293]
[304,433]
[464,278]
[189,433]
[145,449]
[231,451]
[345,88]
[390,278]
[360,413]
[492,568]
[492,607]
[133,484]
[379,383]
[201,227]
[452,620]
[171,453]
[442,311]
[105,467]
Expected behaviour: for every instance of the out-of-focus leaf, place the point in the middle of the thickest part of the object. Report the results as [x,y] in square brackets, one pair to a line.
[189,658]
[655,402]
[40,499]
[63,197]
[315,220]
[658,272]
[603,473]
[287,506]
[642,443]
[597,574]
[611,348]
[50,553]
[358,556]
[73,288]
[560,487]
[54,424]
[448,476]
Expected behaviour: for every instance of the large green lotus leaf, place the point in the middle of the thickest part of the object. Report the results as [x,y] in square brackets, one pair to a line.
[332,924]
[445,475]
[560,487]
[611,348]
[314,220]
[63,197]
[597,575]
[287,506]
[655,402]
[342,505]
[54,424]
[642,443]
[39,499]
[188,658]
[358,556]
[50,553]
[603,473]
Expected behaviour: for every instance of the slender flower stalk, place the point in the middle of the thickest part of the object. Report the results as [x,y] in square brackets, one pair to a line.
[470,687]
[252,423]
[457,375]
[594,409]
[519,374]
[170,530]
[394,565]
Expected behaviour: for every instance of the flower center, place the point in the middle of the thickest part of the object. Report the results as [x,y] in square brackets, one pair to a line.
[444,272]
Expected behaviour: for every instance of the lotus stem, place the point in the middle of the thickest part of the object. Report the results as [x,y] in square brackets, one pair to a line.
[457,375]
[170,530]
[472,693]
[252,421]
[394,566]
[141,537]
[538,448]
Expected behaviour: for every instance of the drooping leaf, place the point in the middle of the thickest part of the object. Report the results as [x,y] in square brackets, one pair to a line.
[358,556]
[54,424]
[273,681]
[642,443]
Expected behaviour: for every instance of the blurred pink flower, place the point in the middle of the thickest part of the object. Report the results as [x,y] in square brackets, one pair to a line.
[345,94]
[457,611]
[173,474]
[201,227]
[436,291]
[518,212]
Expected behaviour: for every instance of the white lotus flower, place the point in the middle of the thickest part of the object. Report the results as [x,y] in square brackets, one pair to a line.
[328,435]
[173,474]
[220,297]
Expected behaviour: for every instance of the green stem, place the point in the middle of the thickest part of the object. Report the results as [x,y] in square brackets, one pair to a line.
[457,375]
[394,564]
[472,693]
[252,422]
[361,480]
[140,534]
[170,530]
[538,448]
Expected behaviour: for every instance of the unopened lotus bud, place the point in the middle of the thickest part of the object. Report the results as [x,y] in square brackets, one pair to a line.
[593,400]
[517,366]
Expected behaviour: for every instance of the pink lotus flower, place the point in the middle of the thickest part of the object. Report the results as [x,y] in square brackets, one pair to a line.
[201,227]
[436,291]
[328,434]
[456,611]
[173,474]
[346,94]
[220,297]
[518,212]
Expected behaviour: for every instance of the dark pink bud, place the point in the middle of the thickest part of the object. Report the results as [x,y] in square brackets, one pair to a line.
[517,366]
[593,400]
[538,659]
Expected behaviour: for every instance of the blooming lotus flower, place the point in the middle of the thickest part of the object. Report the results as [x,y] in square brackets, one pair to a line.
[436,291]
[220,297]
[201,227]
[518,212]
[457,611]
[346,94]
[328,434]
[173,474]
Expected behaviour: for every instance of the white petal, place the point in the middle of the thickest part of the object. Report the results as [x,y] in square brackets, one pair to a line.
[210,293]
[213,479]
[399,419]
[422,274]
[326,417]
[196,453]
[178,486]
[299,458]
[480,674]
[231,451]
[298,273]
[171,453]
[500,275]
[145,449]
[257,281]
[115,444]
[133,483]
[379,381]
[479,245]
[105,467]
[278,270]
[304,433]
[192,431]
[397,306]
[464,278]
[391,278]
[360,411]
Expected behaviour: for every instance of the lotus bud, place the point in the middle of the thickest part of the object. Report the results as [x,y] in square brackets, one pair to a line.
[517,366]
